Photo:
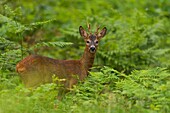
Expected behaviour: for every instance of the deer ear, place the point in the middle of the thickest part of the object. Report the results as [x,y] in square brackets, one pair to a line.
[83,33]
[102,33]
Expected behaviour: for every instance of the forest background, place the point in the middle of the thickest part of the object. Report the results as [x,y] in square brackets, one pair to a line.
[131,72]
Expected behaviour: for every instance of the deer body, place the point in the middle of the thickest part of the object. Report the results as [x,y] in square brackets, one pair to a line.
[36,70]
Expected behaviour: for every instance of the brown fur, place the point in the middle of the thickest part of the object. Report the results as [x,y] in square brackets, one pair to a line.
[36,70]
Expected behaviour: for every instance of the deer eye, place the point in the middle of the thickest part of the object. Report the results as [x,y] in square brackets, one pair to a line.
[96,42]
[87,42]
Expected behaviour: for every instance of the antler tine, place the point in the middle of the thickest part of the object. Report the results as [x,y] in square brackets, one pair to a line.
[98,27]
[88,25]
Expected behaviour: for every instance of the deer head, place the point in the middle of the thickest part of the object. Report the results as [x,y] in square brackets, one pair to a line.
[92,40]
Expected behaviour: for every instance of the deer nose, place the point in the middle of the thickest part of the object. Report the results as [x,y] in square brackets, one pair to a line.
[92,49]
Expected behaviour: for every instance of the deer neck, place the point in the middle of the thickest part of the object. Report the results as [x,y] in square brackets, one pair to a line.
[87,59]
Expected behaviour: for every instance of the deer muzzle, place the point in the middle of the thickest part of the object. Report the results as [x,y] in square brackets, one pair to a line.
[92,49]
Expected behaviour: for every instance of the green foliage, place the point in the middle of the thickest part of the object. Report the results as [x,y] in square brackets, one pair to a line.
[53,44]
[147,88]
[27,100]
[9,55]
[104,91]
[137,42]
[13,31]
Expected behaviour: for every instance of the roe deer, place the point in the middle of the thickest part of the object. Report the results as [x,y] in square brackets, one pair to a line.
[36,70]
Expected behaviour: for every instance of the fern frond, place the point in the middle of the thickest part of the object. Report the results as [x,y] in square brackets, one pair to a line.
[11,26]
[41,23]
[52,44]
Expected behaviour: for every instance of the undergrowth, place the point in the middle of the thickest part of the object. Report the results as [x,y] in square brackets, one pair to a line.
[104,91]
[132,74]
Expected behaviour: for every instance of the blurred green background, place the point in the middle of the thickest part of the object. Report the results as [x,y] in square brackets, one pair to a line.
[138,36]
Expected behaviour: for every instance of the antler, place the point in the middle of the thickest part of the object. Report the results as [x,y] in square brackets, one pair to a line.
[98,27]
[88,25]
[97,30]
